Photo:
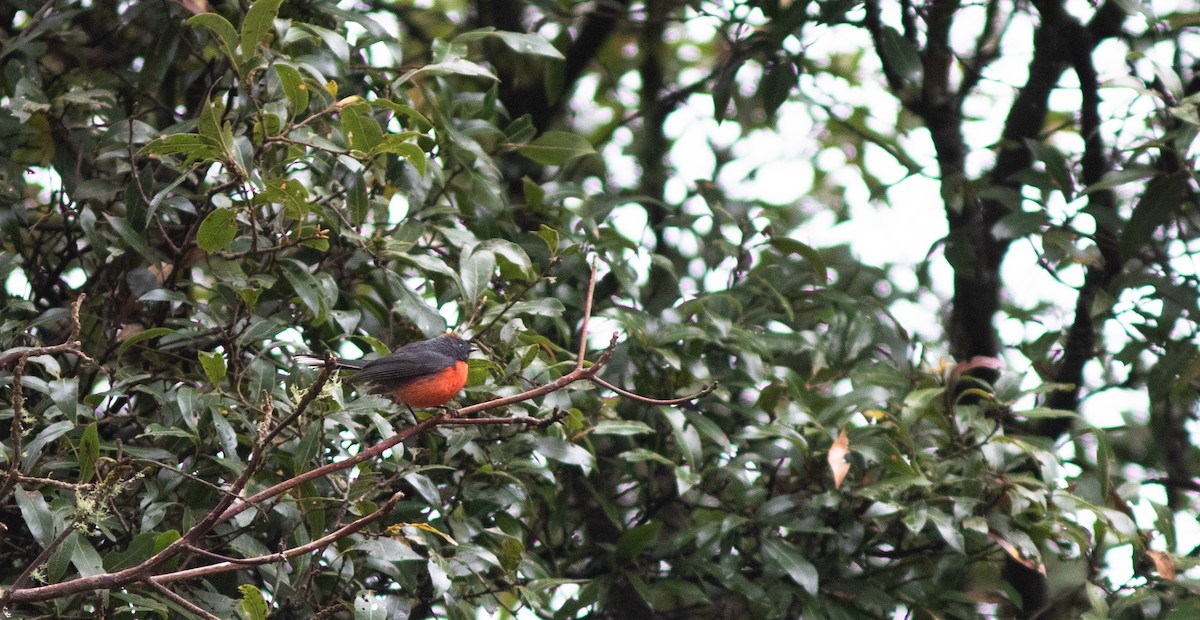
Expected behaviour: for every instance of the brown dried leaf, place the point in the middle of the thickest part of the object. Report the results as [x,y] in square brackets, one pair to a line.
[1164,564]
[837,458]
[195,7]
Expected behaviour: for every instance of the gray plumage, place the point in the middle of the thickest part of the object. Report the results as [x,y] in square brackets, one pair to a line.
[407,363]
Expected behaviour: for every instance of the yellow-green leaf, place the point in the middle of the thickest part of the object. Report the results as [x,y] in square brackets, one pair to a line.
[555,148]
[213,363]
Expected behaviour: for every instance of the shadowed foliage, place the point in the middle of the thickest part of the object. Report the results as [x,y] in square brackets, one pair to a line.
[637,212]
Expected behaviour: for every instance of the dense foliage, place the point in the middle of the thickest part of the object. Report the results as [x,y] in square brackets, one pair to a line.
[192,192]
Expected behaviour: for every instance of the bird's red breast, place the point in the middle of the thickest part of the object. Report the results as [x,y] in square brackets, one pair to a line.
[434,389]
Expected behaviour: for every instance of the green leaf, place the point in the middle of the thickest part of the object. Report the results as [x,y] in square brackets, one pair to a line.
[213,363]
[253,602]
[227,37]
[362,131]
[946,528]
[153,332]
[1056,166]
[289,192]
[137,551]
[522,43]
[414,308]
[89,452]
[451,66]
[722,88]
[197,147]
[512,258]
[164,540]
[403,146]
[83,555]
[401,110]
[793,562]
[217,230]
[565,452]
[1163,196]
[550,237]
[306,287]
[209,125]
[65,394]
[640,455]
[621,427]
[1045,413]
[35,512]
[903,56]
[48,435]
[294,87]
[477,272]
[776,85]
[555,148]
[134,239]
[260,19]
[535,197]
[789,246]
[633,540]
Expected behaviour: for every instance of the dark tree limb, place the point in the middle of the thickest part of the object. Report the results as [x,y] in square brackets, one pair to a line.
[1080,344]
[522,96]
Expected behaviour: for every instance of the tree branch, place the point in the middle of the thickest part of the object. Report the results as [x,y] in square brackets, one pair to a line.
[179,600]
[654,401]
[18,359]
[232,503]
[324,541]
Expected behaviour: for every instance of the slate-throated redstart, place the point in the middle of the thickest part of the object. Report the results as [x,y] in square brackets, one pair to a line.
[427,373]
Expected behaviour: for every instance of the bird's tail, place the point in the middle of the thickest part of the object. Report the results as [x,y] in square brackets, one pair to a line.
[315,361]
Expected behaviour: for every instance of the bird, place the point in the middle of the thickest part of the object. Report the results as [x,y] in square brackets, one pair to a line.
[423,374]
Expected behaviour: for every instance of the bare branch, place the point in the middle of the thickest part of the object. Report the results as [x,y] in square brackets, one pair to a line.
[587,315]
[526,420]
[654,401]
[307,399]
[37,562]
[324,541]
[232,503]
[182,602]
[72,345]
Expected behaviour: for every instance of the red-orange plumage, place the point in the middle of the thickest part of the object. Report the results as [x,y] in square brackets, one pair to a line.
[433,390]
[420,374]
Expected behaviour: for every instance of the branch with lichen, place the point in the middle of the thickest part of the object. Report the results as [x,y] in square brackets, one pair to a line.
[233,502]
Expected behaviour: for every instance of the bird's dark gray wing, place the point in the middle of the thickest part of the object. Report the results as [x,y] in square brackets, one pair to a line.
[396,370]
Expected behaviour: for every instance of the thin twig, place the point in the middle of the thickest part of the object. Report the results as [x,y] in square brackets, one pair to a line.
[71,344]
[324,541]
[232,503]
[307,399]
[179,600]
[37,562]
[587,315]
[62,484]
[654,401]
[529,421]
[579,374]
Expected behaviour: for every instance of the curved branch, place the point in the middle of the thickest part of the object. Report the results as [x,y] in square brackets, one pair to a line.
[654,401]
[324,541]
[233,503]
[182,602]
